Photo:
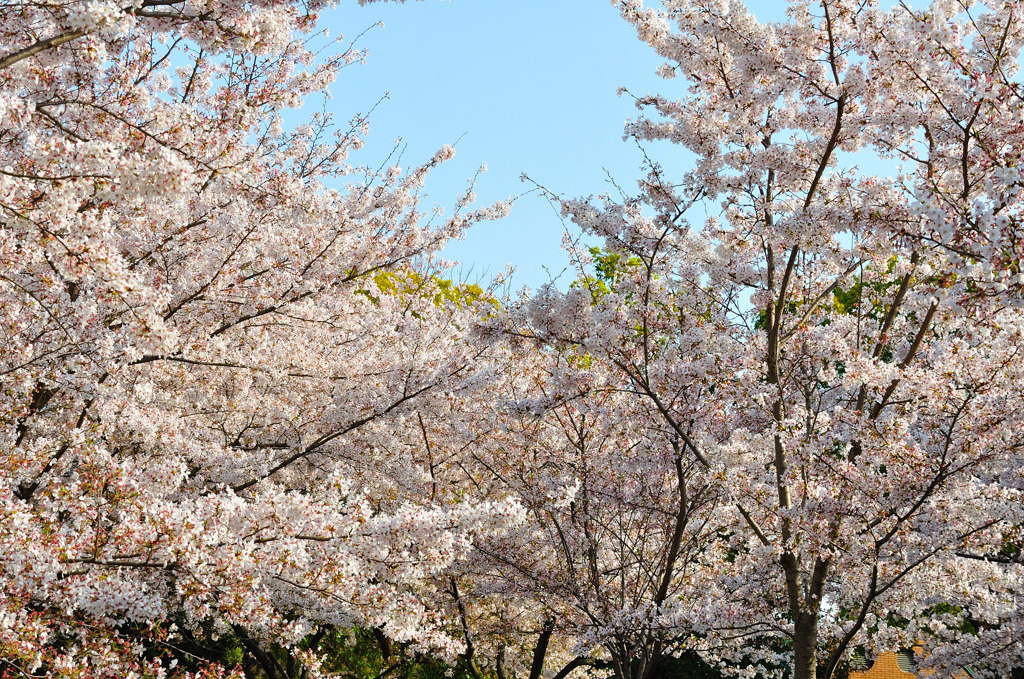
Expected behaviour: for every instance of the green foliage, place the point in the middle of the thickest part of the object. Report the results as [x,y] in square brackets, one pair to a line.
[440,291]
[846,301]
[192,649]
[350,654]
[1011,548]
[967,625]
[357,653]
[687,665]
[762,318]
[872,300]
[608,266]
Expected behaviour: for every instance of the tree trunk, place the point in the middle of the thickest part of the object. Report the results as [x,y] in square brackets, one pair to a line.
[805,646]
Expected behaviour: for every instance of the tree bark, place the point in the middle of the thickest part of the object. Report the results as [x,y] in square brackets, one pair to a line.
[805,646]
[541,649]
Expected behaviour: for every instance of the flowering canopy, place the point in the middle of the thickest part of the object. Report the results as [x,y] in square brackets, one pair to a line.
[238,400]
[836,348]
[207,397]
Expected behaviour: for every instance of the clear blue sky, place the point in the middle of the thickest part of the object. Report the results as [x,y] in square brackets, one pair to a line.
[528,85]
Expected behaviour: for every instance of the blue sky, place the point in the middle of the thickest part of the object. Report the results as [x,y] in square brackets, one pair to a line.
[523,85]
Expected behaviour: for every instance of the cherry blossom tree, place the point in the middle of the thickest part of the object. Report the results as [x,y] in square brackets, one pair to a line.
[219,339]
[237,399]
[616,522]
[837,343]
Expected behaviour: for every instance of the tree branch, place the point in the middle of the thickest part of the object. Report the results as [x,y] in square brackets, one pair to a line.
[40,46]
